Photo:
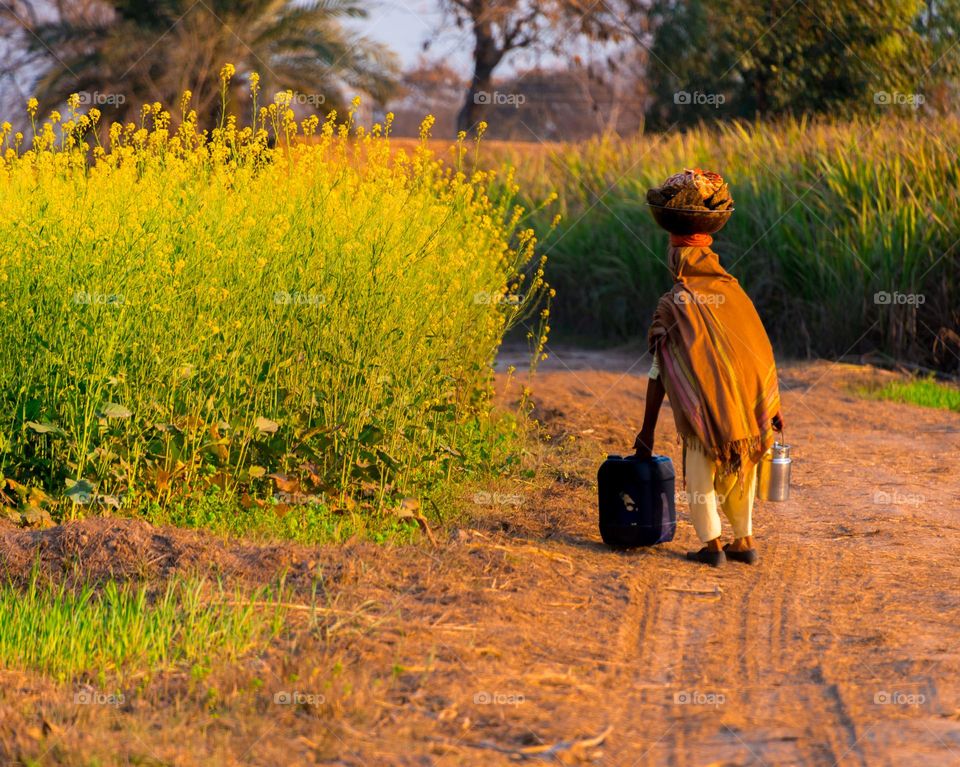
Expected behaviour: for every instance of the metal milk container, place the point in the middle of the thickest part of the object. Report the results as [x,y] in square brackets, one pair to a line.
[773,473]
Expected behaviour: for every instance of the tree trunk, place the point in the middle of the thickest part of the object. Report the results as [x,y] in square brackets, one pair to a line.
[760,92]
[762,81]
[486,56]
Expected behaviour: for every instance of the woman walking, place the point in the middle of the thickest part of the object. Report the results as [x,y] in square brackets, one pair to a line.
[713,359]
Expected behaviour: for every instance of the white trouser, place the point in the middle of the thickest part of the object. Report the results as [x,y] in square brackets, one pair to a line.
[706,490]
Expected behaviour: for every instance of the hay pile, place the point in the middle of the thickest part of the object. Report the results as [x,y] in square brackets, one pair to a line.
[692,189]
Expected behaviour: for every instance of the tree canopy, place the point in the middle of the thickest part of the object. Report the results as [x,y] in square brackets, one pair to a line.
[743,58]
[125,53]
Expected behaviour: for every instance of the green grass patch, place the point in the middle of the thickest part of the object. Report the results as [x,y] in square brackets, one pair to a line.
[123,629]
[307,522]
[925,392]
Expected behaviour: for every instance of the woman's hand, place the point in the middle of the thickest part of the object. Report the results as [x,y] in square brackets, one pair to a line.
[778,422]
[643,444]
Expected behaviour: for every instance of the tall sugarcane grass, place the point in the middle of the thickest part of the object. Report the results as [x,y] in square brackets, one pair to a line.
[250,312]
[828,215]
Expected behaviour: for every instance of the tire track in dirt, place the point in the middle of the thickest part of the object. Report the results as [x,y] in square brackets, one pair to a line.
[832,734]
[639,652]
[778,669]
[766,611]
[688,637]
[641,736]
[642,613]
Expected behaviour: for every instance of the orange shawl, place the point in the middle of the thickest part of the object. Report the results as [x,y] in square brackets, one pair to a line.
[716,361]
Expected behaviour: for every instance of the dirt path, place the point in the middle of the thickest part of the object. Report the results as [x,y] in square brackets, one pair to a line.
[522,632]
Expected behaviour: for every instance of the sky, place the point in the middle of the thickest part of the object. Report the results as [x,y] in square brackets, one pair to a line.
[404,25]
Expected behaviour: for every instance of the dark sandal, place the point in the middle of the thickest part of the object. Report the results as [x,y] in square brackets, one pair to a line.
[707,557]
[748,557]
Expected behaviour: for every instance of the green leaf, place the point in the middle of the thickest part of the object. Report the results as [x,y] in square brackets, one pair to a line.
[370,435]
[389,460]
[80,492]
[45,428]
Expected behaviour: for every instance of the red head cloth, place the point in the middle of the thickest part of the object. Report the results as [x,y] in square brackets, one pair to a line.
[691,240]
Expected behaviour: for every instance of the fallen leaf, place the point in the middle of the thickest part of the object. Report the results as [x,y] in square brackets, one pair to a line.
[113,410]
[36,497]
[408,510]
[285,484]
[33,516]
[266,426]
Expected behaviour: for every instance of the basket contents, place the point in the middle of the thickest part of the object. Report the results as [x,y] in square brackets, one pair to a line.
[692,189]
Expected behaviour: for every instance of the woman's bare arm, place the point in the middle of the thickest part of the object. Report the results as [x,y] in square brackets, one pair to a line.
[654,400]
